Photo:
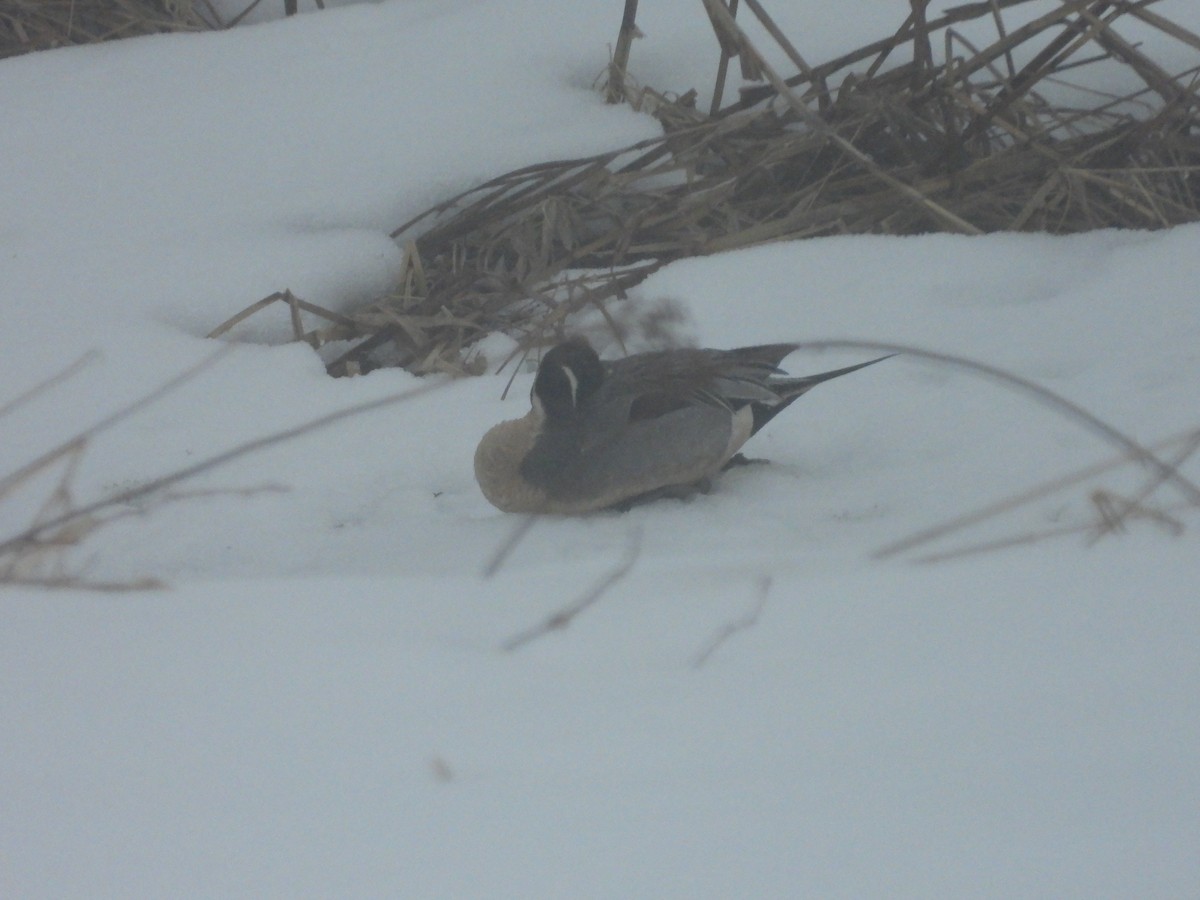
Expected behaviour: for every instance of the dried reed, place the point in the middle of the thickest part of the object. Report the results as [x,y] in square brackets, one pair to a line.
[27,25]
[971,144]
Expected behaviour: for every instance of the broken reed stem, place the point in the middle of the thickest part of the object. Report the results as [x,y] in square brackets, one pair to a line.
[722,69]
[620,61]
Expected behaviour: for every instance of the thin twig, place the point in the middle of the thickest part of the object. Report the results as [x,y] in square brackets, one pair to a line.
[67,372]
[74,444]
[1037,536]
[748,620]
[562,618]
[1037,492]
[71,582]
[515,536]
[1134,504]
[32,534]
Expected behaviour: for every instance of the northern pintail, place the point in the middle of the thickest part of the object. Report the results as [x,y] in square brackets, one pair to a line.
[614,433]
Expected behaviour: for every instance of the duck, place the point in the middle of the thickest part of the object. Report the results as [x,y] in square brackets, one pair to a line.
[612,434]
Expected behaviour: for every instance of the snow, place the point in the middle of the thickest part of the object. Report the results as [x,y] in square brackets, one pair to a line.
[320,702]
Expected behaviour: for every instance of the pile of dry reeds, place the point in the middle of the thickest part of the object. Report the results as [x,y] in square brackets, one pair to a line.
[27,25]
[970,145]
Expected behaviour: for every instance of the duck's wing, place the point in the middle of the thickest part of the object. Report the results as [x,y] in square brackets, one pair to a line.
[650,385]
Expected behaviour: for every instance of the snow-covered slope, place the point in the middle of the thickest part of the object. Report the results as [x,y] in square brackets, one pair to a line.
[321,704]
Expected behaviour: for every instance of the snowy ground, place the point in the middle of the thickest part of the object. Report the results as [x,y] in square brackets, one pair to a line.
[320,703]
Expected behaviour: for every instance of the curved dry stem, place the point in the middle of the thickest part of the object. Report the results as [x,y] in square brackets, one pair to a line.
[1046,397]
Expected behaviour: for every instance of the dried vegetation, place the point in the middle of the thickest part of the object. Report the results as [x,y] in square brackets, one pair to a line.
[891,138]
[882,140]
[36,554]
[27,25]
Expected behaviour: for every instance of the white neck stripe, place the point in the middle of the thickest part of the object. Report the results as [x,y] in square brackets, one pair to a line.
[574,384]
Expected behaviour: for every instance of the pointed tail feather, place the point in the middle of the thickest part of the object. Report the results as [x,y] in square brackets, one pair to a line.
[790,389]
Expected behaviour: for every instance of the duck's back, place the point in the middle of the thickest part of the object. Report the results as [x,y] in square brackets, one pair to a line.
[679,448]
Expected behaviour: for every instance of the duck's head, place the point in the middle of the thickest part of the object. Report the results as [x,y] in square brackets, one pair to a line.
[569,375]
